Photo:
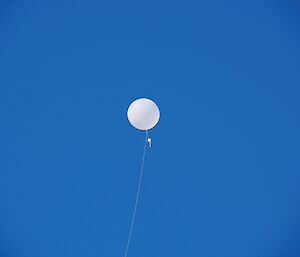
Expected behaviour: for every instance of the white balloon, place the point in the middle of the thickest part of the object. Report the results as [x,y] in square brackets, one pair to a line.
[143,114]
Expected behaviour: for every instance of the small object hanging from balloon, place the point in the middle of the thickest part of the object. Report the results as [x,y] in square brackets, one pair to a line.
[149,140]
[143,114]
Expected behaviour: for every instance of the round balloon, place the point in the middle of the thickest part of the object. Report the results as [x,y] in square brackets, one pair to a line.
[143,114]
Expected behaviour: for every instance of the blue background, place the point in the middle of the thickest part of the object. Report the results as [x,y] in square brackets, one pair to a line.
[222,178]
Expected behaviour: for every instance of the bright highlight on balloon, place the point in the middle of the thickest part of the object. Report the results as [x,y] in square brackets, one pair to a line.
[143,114]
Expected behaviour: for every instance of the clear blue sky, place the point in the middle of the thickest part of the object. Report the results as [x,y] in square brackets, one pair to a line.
[222,179]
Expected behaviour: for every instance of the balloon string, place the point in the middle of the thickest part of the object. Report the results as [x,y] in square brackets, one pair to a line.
[137,196]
